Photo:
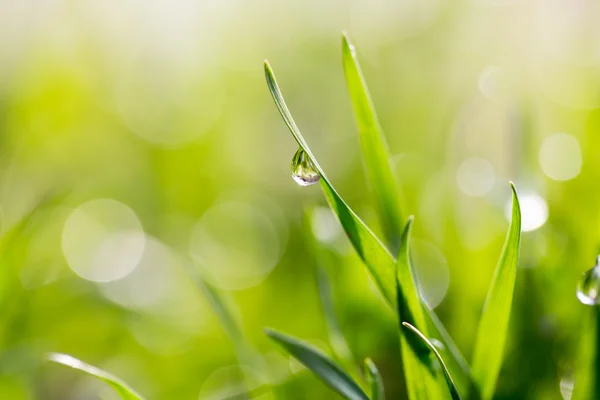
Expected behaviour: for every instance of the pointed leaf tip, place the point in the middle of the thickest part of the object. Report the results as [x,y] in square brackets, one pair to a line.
[493,327]
[120,387]
[374,381]
[320,364]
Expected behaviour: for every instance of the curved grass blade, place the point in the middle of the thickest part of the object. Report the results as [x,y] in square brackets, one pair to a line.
[456,363]
[373,253]
[493,328]
[453,390]
[124,391]
[409,304]
[321,365]
[374,380]
[379,262]
[385,186]
[374,149]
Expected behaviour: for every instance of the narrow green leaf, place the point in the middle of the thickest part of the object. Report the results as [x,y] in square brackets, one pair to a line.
[374,380]
[374,149]
[385,186]
[453,390]
[587,384]
[493,327]
[379,262]
[124,391]
[456,363]
[321,365]
[422,382]
[409,304]
[374,254]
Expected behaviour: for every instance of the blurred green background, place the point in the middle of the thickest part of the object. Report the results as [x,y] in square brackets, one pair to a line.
[138,141]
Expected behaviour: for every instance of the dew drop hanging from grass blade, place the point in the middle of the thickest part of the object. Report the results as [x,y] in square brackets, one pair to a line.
[303,170]
[588,288]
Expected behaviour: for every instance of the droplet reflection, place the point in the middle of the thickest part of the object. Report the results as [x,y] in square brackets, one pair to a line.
[303,170]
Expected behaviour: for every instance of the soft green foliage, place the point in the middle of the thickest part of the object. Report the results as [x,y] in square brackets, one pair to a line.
[163,110]
[374,149]
[374,254]
[493,327]
[124,391]
[451,385]
[321,365]
[374,381]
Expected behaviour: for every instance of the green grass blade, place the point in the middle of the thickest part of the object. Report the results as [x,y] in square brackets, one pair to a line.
[422,382]
[587,384]
[124,391]
[409,304]
[378,260]
[370,249]
[321,365]
[493,327]
[453,390]
[385,185]
[456,363]
[374,380]
[374,149]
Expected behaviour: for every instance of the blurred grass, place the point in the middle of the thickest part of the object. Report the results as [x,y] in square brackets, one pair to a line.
[163,108]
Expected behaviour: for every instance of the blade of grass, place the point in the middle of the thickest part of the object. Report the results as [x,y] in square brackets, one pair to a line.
[456,363]
[421,379]
[587,384]
[379,262]
[385,184]
[493,327]
[374,254]
[453,390]
[374,149]
[374,381]
[321,365]
[122,389]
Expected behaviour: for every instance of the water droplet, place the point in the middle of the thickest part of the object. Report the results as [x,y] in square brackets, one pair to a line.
[303,170]
[588,289]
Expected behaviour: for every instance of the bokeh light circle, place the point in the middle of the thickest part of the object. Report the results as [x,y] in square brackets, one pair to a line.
[534,211]
[475,177]
[103,240]
[432,271]
[560,157]
[236,245]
